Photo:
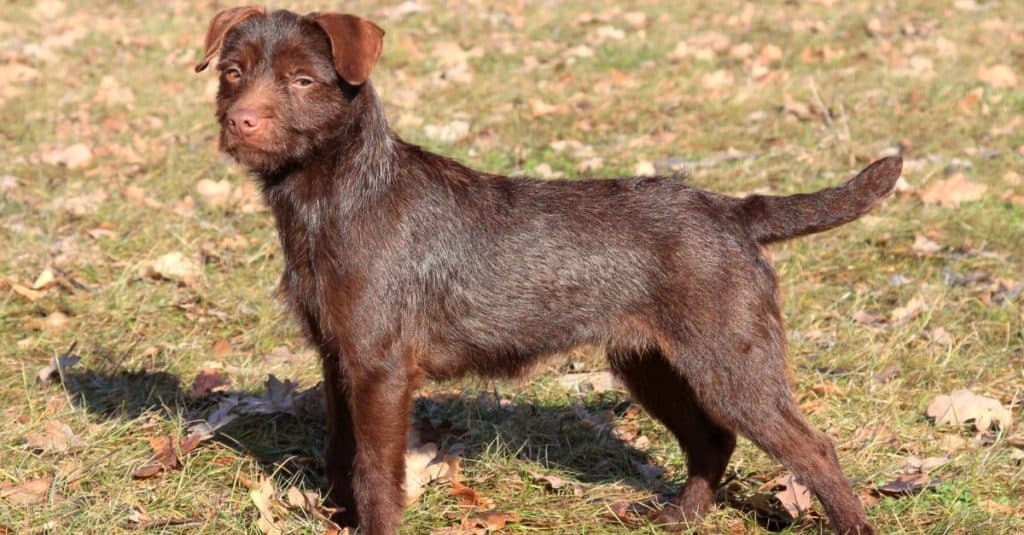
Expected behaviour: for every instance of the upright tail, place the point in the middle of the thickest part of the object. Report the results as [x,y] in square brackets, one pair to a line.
[772,219]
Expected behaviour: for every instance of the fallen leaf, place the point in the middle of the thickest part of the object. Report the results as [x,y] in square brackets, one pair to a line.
[908,484]
[57,437]
[553,482]
[941,336]
[924,246]
[45,280]
[164,457]
[999,76]
[448,133]
[952,191]
[596,382]
[26,493]
[214,193]
[467,496]
[917,465]
[422,467]
[73,157]
[794,496]
[262,495]
[905,313]
[52,370]
[209,380]
[490,520]
[963,406]
[175,267]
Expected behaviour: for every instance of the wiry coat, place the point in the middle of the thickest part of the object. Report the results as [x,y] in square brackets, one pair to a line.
[403,264]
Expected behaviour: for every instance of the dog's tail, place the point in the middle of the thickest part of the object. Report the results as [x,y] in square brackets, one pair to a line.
[772,219]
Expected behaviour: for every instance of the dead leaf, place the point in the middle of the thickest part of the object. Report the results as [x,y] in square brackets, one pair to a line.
[794,496]
[490,520]
[905,313]
[57,437]
[952,191]
[209,380]
[214,193]
[175,267]
[52,370]
[941,336]
[553,482]
[595,382]
[26,493]
[964,406]
[45,280]
[262,495]
[917,465]
[467,496]
[73,157]
[164,457]
[448,133]
[222,348]
[422,467]
[924,246]
[999,76]
[908,484]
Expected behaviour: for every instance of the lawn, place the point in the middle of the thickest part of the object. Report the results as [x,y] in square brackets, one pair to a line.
[144,263]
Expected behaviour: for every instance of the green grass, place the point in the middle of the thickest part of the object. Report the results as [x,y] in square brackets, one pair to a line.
[143,340]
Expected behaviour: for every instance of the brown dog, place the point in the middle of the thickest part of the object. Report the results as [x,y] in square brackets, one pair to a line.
[402,264]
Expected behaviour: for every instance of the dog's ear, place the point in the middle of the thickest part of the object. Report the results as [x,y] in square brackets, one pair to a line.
[356,44]
[220,25]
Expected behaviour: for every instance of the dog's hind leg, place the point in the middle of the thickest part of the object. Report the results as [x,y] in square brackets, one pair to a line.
[665,394]
[748,392]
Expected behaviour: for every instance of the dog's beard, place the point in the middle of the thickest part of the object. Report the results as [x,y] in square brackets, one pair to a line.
[265,157]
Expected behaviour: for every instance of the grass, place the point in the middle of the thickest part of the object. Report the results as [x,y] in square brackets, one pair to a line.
[907,81]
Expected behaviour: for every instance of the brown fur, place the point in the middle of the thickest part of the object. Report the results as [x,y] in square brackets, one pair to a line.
[402,264]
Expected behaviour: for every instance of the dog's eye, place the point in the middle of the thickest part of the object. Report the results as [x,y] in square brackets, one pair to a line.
[303,81]
[233,74]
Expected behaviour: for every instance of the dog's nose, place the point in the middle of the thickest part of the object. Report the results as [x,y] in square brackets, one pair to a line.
[244,121]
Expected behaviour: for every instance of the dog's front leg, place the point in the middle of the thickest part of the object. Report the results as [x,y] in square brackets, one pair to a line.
[341,444]
[380,399]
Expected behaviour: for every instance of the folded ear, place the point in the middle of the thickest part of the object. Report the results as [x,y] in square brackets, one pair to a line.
[220,25]
[356,44]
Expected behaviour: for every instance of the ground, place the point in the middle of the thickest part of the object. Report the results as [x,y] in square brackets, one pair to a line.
[128,241]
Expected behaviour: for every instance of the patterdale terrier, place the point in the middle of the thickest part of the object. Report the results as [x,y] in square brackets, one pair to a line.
[403,265]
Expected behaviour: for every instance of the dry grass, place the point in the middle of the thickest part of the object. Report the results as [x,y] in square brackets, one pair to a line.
[907,81]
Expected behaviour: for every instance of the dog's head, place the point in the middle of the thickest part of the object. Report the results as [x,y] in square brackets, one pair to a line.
[287,81]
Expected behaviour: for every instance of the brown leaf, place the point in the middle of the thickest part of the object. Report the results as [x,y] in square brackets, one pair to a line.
[222,348]
[964,406]
[45,280]
[554,482]
[164,457]
[175,267]
[952,191]
[794,496]
[262,495]
[422,467]
[595,382]
[214,193]
[908,484]
[905,313]
[58,437]
[209,380]
[490,520]
[73,157]
[467,496]
[26,493]
[925,246]
[999,76]
[51,371]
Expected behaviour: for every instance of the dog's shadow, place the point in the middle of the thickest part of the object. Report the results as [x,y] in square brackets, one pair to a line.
[574,437]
